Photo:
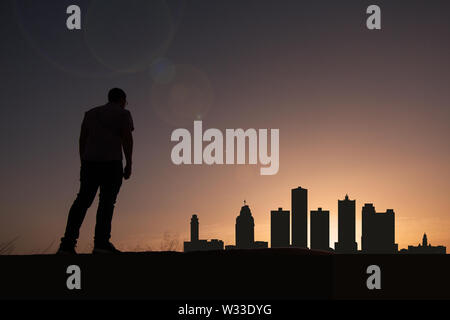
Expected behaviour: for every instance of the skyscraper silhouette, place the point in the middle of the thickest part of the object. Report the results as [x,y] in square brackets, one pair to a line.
[245,229]
[346,226]
[378,231]
[299,210]
[279,228]
[320,229]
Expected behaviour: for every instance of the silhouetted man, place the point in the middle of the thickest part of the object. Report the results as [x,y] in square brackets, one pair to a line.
[105,131]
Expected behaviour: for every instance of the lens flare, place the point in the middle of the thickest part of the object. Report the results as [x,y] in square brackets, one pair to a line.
[127,36]
[187,97]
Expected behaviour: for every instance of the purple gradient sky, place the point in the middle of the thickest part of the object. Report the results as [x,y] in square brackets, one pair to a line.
[360,112]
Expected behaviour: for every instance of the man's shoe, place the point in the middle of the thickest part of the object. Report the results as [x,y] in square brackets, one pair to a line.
[105,248]
[65,249]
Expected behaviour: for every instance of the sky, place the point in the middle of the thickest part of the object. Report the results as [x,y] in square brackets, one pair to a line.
[360,112]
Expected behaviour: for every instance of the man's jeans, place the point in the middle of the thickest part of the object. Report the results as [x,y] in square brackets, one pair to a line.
[94,175]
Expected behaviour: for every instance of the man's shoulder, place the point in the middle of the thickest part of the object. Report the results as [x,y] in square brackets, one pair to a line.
[122,112]
[111,112]
[95,109]
[126,112]
[99,111]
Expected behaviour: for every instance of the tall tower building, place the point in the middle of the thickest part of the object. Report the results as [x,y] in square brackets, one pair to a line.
[279,228]
[346,226]
[245,229]
[378,230]
[320,229]
[194,228]
[299,210]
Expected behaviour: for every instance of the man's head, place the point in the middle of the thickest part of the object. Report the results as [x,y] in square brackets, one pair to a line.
[117,96]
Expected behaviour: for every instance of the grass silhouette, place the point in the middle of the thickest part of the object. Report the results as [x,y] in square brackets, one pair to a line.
[8,247]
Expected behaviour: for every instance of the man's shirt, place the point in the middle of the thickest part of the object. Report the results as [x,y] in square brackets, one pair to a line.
[103,128]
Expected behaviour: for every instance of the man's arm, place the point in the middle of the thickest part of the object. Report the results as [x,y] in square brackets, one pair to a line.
[127,144]
[83,137]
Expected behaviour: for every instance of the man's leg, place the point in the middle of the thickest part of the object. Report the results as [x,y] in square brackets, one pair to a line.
[88,189]
[109,189]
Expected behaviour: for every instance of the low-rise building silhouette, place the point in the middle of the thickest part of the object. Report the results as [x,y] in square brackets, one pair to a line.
[200,245]
[378,230]
[426,248]
[320,229]
[256,245]
[279,228]
[346,226]
[260,244]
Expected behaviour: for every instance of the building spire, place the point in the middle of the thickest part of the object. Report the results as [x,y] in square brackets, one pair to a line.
[424,240]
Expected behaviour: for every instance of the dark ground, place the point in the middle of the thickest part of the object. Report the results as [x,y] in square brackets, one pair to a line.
[236,274]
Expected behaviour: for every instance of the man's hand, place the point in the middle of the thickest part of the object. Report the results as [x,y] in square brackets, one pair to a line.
[127,171]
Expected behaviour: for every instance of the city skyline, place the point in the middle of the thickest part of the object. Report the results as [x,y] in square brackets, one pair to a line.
[378,230]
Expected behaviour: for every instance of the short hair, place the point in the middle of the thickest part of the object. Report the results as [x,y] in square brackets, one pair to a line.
[116,95]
